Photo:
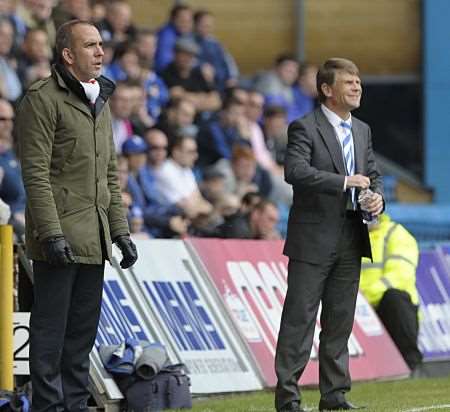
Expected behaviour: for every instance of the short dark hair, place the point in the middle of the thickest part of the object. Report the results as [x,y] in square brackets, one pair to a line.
[177,9]
[231,101]
[327,73]
[64,37]
[286,57]
[274,110]
[200,14]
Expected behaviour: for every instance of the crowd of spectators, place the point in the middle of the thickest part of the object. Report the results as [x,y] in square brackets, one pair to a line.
[200,147]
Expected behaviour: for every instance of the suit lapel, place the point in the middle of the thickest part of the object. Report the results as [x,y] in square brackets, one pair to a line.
[329,136]
[356,133]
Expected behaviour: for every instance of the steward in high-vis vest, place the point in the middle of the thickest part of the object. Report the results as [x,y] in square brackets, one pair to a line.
[389,284]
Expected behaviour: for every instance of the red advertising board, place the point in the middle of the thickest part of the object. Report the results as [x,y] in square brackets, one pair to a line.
[251,278]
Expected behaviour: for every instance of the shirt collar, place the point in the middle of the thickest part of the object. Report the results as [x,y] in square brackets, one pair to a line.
[333,118]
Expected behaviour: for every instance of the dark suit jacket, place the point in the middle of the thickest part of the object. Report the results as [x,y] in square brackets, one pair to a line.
[315,168]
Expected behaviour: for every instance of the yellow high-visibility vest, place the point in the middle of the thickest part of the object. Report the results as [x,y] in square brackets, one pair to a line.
[395,256]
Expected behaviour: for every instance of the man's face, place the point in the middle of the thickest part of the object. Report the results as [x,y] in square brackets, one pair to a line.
[288,72]
[255,106]
[36,46]
[244,169]
[205,26]
[6,122]
[122,102]
[234,114]
[146,46]
[184,114]
[186,154]
[184,60]
[158,145]
[265,221]
[183,21]
[345,93]
[41,9]
[6,38]
[85,58]
[119,17]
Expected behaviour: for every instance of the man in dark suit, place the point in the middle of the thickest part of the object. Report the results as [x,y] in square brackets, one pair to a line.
[329,160]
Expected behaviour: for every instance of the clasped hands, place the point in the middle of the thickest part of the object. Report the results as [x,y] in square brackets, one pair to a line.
[59,253]
[375,204]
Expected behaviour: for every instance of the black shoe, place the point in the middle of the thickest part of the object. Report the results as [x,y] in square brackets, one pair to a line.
[341,406]
[293,406]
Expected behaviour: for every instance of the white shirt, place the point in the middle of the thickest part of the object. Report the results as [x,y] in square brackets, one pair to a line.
[174,182]
[340,131]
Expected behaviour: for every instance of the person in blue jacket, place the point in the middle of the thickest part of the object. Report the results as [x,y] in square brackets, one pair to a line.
[180,24]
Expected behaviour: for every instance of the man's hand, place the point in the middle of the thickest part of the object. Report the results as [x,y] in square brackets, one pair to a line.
[58,251]
[128,249]
[375,204]
[360,181]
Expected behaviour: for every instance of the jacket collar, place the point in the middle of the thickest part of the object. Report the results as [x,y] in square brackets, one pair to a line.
[328,135]
[78,98]
[326,130]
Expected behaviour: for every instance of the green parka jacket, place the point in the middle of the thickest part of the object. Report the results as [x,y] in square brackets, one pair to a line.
[69,170]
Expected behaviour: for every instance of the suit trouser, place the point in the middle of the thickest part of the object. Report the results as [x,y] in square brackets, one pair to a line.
[334,282]
[63,327]
[399,316]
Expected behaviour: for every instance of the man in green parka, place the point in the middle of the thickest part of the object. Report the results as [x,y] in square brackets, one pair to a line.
[73,215]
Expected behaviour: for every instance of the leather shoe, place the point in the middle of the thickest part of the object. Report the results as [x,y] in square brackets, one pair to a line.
[341,406]
[293,406]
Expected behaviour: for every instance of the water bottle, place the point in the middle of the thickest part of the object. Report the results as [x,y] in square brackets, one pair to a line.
[364,197]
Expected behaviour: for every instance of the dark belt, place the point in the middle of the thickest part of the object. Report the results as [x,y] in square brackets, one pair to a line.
[351,214]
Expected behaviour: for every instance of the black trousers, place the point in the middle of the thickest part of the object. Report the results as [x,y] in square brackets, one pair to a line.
[334,282]
[63,327]
[399,316]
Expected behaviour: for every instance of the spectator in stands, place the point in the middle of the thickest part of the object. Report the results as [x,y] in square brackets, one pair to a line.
[249,201]
[389,284]
[122,102]
[66,10]
[305,90]
[12,191]
[176,182]
[117,24]
[125,64]
[259,223]
[212,54]
[10,86]
[178,115]
[146,47]
[276,85]
[242,173]
[38,15]
[217,138]
[74,213]
[8,11]
[34,61]
[162,219]
[254,111]
[185,79]
[140,117]
[179,25]
[275,132]
[157,94]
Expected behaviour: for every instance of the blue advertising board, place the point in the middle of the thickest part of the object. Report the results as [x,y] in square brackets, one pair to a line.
[433,284]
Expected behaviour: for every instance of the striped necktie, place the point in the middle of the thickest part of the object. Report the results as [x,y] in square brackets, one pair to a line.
[347,149]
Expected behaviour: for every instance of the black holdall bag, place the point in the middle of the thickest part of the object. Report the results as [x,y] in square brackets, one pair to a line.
[168,389]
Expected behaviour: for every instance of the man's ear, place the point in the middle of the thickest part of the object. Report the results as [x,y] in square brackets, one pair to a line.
[67,55]
[326,89]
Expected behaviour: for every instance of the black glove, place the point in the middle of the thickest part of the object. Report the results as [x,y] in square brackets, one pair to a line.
[128,249]
[58,251]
